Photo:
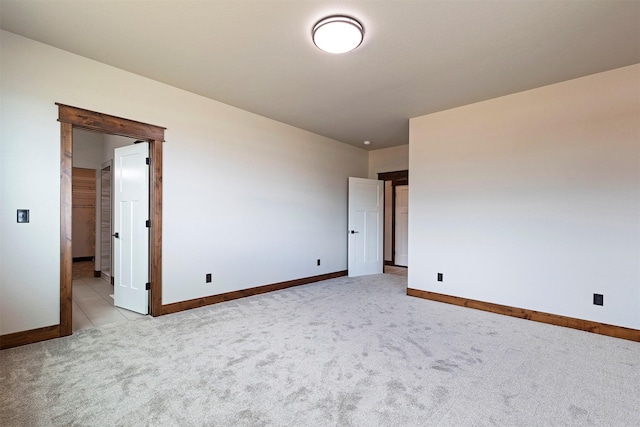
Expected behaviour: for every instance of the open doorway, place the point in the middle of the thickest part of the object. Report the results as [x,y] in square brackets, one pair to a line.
[71,118]
[396,212]
[93,294]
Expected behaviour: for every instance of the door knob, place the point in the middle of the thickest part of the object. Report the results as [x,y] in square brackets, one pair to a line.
[116,235]
[354,231]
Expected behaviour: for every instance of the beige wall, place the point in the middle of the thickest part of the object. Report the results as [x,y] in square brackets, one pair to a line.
[388,160]
[250,200]
[532,200]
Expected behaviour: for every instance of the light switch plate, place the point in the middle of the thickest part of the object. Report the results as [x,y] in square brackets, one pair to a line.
[598,299]
[23,215]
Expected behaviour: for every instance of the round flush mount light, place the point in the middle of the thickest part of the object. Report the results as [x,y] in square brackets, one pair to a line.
[338,34]
[367,143]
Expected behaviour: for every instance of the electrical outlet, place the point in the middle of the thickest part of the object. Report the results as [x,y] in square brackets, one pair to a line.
[440,278]
[208,278]
[598,299]
[318,262]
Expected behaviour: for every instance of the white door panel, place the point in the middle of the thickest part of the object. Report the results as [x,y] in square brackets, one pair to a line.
[131,235]
[365,226]
[402,226]
[372,231]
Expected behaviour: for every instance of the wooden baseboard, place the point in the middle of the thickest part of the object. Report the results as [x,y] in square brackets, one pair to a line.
[83,258]
[214,299]
[97,273]
[29,337]
[536,316]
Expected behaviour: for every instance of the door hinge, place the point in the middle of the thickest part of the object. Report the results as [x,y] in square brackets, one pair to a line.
[148,223]
[147,286]
[148,161]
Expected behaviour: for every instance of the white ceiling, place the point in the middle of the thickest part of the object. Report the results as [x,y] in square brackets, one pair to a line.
[417,57]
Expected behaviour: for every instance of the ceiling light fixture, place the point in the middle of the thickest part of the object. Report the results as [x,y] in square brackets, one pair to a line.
[338,34]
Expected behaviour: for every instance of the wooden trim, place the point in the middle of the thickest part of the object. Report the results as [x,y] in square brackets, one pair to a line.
[105,123]
[536,316]
[70,118]
[66,164]
[29,337]
[214,299]
[155,250]
[83,258]
[97,273]
[396,177]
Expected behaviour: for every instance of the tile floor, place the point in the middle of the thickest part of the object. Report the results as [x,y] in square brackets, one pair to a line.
[398,271]
[93,305]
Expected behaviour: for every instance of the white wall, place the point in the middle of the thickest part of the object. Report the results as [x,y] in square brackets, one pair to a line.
[248,199]
[532,200]
[388,160]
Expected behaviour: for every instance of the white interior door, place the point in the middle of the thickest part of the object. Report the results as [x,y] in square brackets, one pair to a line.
[131,235]
[402,226]
[365,226]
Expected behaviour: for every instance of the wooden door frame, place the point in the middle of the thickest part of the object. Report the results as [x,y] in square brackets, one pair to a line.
[396,178]
[71,118]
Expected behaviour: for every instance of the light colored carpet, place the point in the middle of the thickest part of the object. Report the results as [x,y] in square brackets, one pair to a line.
[344,352]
